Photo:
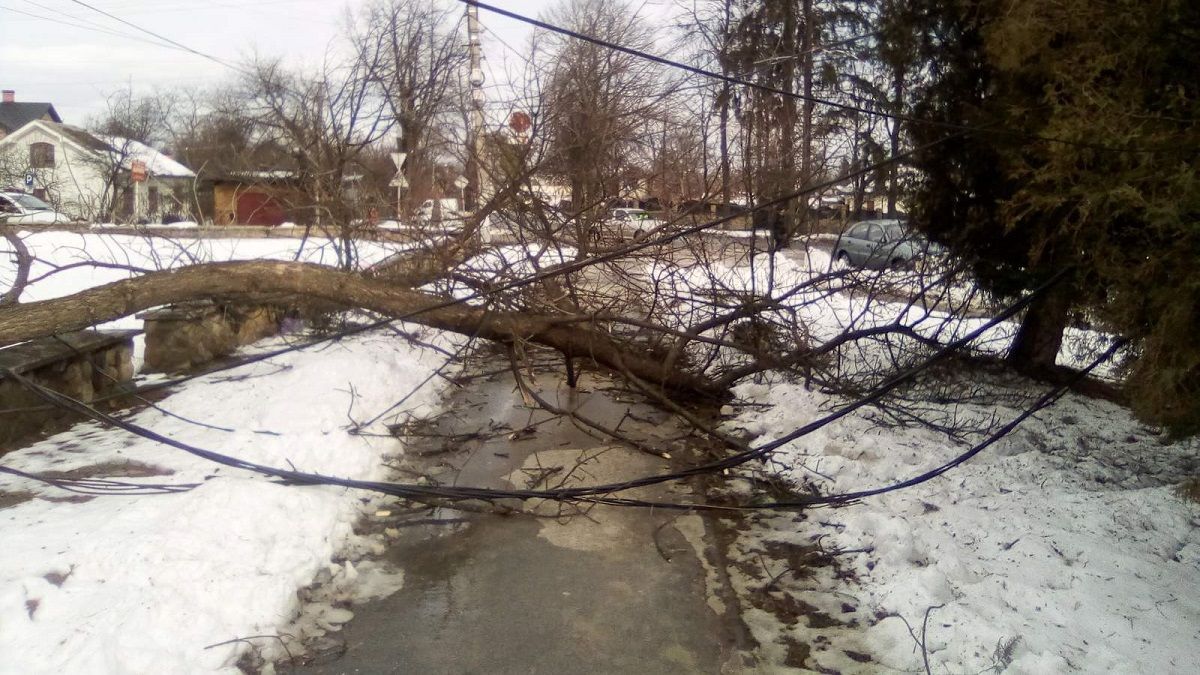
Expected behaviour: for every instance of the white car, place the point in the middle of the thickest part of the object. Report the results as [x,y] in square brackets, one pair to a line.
[19,208]
[637,221]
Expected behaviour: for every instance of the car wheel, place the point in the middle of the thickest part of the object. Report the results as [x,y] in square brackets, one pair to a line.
[842,262]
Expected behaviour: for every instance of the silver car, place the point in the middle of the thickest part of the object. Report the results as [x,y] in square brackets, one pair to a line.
[637,221]
[19,208]
[877,243]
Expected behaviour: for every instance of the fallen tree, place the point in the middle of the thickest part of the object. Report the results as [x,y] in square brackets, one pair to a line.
[571,335]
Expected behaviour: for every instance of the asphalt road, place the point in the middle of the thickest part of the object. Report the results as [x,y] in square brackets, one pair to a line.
[610,591]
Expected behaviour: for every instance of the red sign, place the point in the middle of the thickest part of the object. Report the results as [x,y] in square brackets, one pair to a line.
[520,122]
[137,171]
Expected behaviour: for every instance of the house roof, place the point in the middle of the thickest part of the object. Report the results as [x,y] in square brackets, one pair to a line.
[157,163]
[81,137]
[260,177]
[15,115]
[127,150]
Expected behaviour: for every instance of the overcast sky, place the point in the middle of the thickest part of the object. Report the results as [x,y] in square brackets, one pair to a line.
[72,56]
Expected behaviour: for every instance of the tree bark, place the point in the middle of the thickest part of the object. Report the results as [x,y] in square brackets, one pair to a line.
[1035,348]
[251,279]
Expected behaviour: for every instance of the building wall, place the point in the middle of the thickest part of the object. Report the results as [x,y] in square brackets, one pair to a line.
[155,198]
[75,185]
[227,193]
[224,203]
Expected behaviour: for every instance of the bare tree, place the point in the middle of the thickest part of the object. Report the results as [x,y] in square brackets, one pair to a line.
[412,53]
[326,121]
[128,119]
[598,103]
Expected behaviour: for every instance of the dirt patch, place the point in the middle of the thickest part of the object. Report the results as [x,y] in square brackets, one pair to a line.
[57,578]
[71,499]
[130,469]
[8,499]
[1189,490]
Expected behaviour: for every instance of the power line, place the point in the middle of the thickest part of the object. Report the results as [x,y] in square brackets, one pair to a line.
[83,26]
[598,494]
[174,43]
[990,129]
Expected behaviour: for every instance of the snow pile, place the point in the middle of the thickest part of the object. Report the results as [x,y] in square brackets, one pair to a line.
[1065,547]
[145,584]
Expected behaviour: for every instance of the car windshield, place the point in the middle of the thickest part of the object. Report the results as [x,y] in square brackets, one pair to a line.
[29,202]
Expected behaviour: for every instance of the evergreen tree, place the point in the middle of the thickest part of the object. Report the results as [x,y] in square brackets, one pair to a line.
[1114,195]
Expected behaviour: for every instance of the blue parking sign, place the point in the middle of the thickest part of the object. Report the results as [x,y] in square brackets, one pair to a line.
[28,179]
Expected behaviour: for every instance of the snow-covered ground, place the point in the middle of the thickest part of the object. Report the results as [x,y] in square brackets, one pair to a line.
[68,262]
[60,249]
[1068,543]
[1066,547]
[145,584]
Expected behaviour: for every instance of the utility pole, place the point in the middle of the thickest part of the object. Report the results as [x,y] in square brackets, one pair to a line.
[473,194]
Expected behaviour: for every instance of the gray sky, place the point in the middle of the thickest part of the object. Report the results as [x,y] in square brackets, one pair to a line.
[73,66]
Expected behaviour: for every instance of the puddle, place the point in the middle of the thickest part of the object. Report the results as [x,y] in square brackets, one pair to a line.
[557,590]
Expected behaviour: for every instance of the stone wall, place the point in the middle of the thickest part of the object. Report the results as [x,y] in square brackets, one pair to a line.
[87,365]
[182,337]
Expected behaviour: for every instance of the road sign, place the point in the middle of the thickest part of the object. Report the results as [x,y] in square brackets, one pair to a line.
[28,179]
[399,182]
[398,159]
[137,171]
[461,182]
[520,121]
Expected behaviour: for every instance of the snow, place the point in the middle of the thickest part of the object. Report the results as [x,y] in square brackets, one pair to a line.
[1067,542]
[1065,547]
[54,250]
[143,584]
[157,163]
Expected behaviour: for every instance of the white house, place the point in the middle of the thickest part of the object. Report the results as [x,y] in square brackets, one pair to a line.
[89,176]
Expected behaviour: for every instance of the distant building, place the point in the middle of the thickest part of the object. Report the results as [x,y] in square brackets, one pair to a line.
[14,114]
[90,176]
[266,197]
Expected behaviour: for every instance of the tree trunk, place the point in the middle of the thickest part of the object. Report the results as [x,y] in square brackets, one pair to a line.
[894,141]
[726,194]
[807,45]
[1036,346]
[726,95]
[254,279]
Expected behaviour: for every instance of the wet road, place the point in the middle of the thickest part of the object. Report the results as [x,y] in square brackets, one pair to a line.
[610,591]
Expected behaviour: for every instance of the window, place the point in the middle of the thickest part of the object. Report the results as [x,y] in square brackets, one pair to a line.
[127,204]
[859,231]
[41,155]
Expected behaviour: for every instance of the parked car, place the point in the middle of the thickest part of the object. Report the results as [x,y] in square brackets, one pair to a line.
[879,243]
[439,210]
[635,221]
[20,208]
